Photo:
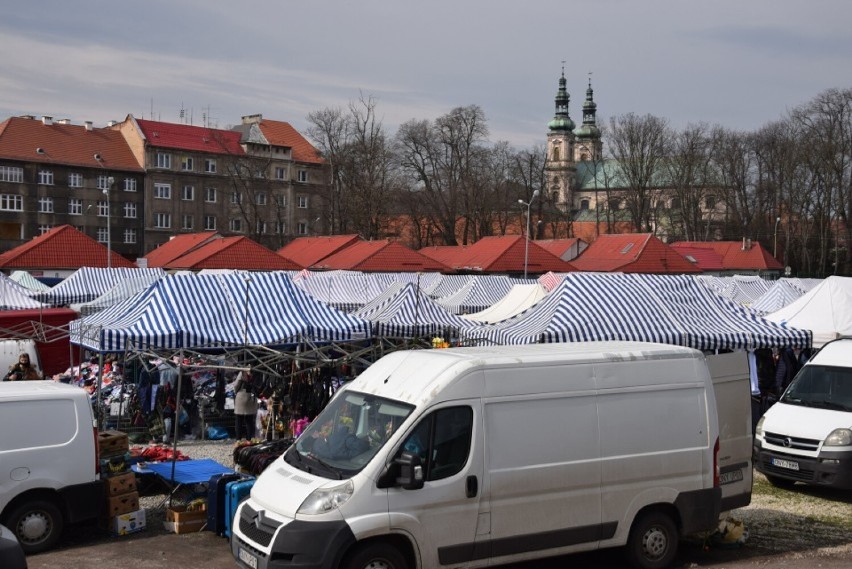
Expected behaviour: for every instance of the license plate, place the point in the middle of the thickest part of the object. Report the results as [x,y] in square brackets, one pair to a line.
[248,558]
[788,464]
[729,477]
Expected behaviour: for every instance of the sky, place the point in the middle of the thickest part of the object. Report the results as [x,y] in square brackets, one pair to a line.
[737,63]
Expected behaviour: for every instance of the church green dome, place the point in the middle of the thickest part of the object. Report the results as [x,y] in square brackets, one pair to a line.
[588,131]
[562,123]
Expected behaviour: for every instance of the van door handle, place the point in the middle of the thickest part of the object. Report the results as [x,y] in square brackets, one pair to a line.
[471,487]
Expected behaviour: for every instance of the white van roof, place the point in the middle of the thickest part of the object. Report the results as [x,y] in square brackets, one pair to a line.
[37,389]
[415,376]
[835,353]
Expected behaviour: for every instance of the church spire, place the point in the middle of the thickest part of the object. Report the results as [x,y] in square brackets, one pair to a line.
[589,129]
[561,121]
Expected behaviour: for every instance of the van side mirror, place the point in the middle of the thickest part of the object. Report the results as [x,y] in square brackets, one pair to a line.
[410,471]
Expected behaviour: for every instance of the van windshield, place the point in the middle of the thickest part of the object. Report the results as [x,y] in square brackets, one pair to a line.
[347,434]
[825,387]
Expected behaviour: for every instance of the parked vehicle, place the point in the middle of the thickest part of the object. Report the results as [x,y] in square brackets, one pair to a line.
[807,435]
[479,456]
[48,461]
[11,553]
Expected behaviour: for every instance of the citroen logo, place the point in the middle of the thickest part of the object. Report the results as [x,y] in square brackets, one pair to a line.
[259,518]
[788,442]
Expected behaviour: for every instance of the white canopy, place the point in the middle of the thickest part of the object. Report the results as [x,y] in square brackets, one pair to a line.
[826,310]
[518,299]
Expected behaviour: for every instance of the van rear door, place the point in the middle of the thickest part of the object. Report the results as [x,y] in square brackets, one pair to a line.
[730,376]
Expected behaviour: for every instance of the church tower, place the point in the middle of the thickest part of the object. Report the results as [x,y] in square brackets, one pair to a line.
[560,171]
[588,145]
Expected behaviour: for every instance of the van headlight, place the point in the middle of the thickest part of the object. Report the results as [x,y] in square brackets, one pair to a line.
[758,430]
[839,438]
[324,500]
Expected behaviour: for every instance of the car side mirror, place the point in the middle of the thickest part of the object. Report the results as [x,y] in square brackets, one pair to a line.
[410,471]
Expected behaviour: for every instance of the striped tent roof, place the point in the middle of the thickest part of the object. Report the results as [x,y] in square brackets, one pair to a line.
[779,295]
[14,296]
[88,283]
[344,290]
[122,290]
[671,309]
[447,285]
[520,298]
[745,289]
[28,281]
[402,311]
[214,311]
[479,293]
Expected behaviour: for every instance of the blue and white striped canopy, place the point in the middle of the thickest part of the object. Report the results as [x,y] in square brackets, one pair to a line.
[403,311]
[344,290]
[447,285]
[648,308]
[214,311]
[779,295]
[88,283]
[14,296]
[122,290]
[479,293]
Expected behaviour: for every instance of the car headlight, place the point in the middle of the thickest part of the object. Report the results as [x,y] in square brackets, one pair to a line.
[758,430]
[324,500]
[839,438]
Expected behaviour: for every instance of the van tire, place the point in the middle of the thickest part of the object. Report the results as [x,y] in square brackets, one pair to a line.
[653,541]
[37,525]
[376,555]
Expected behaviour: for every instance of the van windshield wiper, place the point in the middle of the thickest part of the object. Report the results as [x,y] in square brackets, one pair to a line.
[326,466]
[830,405]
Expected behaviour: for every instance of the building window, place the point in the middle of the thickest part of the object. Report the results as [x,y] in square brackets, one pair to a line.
[260,198]
[281,201]
[555,156]
[42,229]
[186,163]
[163,191]
[45,205]
[614,204]
[164,160]
[10,202]
[188,193]
[302,228]
[210,195]
[584,204]
[303,202]
[280,227]
[710,202]
[130,210]
[103,234]
[45,177]
[210,165]
[103,208]
[260,227]
[675,203]
[162,221]
[280,173]
[130,236]
[236,198]
[303,175]
[235,225]
[75,206]
[130,184]
[103,183]
[210,223]
[75,180]
[11,174]
[187,222]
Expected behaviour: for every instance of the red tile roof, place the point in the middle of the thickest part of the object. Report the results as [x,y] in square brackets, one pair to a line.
[62,247]
[281,133]
[379,256]
[191,138]
[237,253]
[446,254]
[705,258]
[308,251]
[178,246]
[505,255]
[65,144]
[733,255]
[633,253]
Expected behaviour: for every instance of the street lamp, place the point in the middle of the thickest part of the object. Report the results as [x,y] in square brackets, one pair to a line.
[106,190]
[775,246]
[527,244]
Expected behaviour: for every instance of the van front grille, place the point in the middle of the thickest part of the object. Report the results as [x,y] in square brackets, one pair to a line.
[259,532]
[797,443]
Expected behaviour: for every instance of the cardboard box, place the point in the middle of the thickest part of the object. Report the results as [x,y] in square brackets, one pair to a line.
[130,522]
[122,504]
[121,484]
[118,464]
[111,443]
[179,520]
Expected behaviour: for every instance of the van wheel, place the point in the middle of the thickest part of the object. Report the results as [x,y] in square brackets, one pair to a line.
[37,525]
[781,482]
[653,541]
[375,556]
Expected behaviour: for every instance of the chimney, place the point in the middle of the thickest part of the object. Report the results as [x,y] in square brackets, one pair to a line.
[46,120]
[252,119]
[743,248]
[112,123]
[88,125]
[63,121]
[748,245]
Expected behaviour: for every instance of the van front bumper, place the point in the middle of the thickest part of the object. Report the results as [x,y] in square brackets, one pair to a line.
[832,469]
[298,544]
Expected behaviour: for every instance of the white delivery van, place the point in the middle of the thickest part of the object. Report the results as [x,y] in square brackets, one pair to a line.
[807,435]
[469,457]
[48,460]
